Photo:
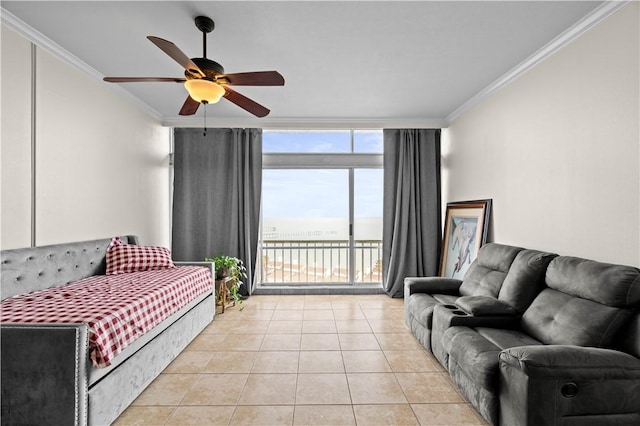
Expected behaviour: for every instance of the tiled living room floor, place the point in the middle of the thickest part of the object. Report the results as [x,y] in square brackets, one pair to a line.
[304,360]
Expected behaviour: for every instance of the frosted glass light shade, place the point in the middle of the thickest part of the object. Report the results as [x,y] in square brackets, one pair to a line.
[204,90]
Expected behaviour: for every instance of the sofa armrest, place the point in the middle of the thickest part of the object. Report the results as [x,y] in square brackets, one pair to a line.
[552,384]
[452,315]
[45,371]
[574,361]
[484,306]
[431,285]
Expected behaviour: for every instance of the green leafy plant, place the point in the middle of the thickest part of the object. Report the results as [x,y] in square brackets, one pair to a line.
[234,269]
[233,291]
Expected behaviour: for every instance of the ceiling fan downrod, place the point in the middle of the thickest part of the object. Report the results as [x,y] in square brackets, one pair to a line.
[206,25]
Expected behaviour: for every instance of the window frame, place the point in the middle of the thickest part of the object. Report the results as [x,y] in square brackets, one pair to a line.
[349,161]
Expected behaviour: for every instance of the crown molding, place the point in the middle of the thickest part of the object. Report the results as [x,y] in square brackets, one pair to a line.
[596,16]
[592,19]
[50,46]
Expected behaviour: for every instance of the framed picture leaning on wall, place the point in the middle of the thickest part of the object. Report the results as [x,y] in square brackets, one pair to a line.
[466,227]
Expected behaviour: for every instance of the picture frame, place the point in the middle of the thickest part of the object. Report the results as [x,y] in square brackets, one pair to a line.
[466,228]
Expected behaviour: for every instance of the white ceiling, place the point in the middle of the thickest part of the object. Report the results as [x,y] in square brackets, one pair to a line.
[385,62]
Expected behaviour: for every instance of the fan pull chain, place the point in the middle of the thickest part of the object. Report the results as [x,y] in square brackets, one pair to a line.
[205,119]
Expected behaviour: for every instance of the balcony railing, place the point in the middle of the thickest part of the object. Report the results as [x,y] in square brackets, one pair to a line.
[313,262]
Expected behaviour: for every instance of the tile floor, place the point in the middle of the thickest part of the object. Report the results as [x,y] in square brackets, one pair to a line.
[304,360]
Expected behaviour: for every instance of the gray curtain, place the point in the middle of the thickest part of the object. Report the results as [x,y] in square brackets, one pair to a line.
[411,229]
[216,199]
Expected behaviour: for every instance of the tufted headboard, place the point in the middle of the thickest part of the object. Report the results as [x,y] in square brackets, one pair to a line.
[37,268]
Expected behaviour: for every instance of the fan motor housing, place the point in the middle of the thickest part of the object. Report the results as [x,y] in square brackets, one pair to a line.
[210,68]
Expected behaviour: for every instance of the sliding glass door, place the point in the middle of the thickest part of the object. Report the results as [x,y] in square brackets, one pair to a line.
[321,211]
[305,222]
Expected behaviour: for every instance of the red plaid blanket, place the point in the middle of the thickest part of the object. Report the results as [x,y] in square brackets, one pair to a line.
[117,308]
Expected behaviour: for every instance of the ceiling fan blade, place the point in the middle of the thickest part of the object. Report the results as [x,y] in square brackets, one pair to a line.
[190,106]
[144,79]
[177,55]
[245,103]
[257,78]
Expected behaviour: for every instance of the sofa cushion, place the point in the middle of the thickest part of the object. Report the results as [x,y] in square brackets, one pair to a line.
[487,272]
[525,279]
[123,258]
[476,350]
[431,285]
[36,268]
[556,318]
[474,354]
[505,339]
[612,285]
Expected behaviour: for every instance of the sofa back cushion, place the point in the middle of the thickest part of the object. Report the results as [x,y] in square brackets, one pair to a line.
[525,279]
[488,271]
[613,285]
[556,318]
[586,303]
[36,268]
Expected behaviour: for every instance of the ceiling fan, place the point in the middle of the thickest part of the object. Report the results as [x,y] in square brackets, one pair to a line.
[205,80]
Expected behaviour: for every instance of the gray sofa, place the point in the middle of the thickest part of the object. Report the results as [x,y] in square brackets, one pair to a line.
[564,348]
[47,376]
[491,275]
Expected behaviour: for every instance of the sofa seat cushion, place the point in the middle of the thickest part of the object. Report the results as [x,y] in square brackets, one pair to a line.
[505,339]
[420,306]
[477,350]
[475,355]
[473,366]
[474,363]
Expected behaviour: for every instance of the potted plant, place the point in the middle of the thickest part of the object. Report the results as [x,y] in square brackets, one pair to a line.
[232,270]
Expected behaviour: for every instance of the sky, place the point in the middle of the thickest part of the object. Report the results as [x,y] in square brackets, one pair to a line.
[365,141]
[321,193]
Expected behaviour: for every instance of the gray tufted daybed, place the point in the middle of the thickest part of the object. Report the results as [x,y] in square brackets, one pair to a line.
[47,373]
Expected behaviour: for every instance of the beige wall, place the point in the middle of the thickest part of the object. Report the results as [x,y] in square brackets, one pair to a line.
[558,149]
[15,134]
[102,166]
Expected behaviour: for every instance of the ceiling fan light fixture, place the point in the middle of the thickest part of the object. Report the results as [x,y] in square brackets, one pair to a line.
[204,91]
